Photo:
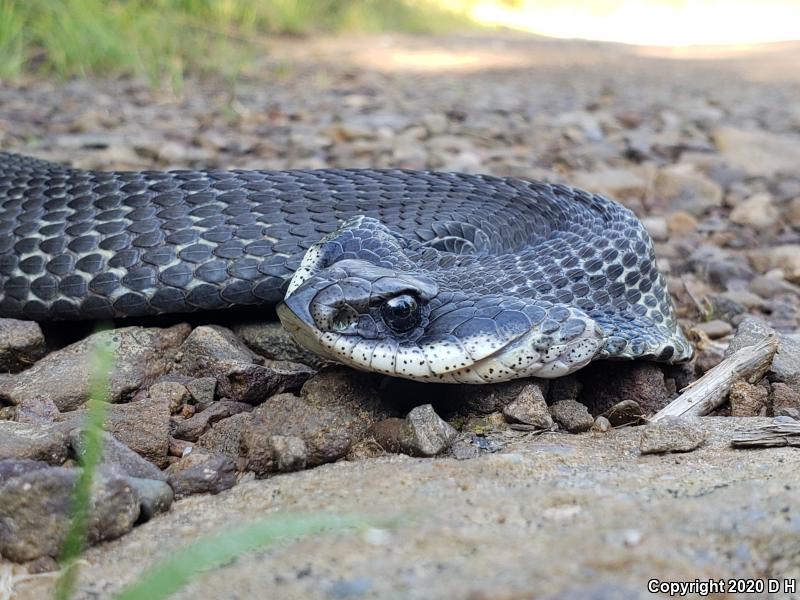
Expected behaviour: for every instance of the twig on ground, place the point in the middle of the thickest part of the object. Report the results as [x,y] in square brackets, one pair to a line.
[711,390]
[783,431]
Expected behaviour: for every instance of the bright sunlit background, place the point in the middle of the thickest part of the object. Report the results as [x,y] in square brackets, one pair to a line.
[648,22]
[164,40]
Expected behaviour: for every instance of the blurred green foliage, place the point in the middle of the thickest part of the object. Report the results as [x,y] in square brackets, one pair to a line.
[165,39]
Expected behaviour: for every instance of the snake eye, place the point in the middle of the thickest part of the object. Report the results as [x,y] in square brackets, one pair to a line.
[401,313]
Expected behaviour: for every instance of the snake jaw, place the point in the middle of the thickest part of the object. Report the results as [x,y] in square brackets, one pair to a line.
[529,344]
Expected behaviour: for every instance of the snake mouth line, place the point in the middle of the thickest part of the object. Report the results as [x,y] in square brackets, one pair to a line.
[515,359]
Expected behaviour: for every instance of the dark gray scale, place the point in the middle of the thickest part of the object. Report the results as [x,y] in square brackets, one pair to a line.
[83,244]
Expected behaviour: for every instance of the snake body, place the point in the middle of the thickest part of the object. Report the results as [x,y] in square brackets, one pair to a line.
[482,273]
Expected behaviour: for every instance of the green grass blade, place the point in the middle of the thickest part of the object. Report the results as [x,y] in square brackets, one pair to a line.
[213,551]
[75,541]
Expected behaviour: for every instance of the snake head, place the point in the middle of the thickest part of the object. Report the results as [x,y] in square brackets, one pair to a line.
[376,313]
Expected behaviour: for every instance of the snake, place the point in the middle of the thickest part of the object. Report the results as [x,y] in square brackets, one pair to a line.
[424,275]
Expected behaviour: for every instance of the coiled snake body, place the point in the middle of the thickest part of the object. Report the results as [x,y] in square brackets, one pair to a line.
[423,275]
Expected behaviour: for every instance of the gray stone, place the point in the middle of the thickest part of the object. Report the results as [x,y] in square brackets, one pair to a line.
[203,390]
[172,393]
[786,363]
[37,410]
[155,496]
[715,329]
[21,344]
[335,408]
[200,473]
[328,431]
[192,428]
[64,376]
[759,153]
[758,212]
[749,332]
[224,437]
[601,425]
[673,434]
[421,433]
[240,373]
[785,257]
[769,287]
[657,228]
[31,529]
[116,454]
[34,441]
[572,416]
[211,344]
[429,434]
[271,340]
[529,408]
[143,426]
[538,500]
[272,453]
[785,400]
[718,266]
[12,467]
[748,400]
[254,383]
[681,187]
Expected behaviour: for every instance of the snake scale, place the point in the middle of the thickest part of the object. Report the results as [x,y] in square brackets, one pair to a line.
[424,275]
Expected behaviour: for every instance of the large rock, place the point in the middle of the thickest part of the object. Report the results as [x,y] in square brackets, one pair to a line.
[758,212]
[758,153]
[155,496]
[200,472]
[36,510]
[225,435]
[14,467]
[192,428]
[241,374]
[421,433]
[786,363]
[748,400]
[143,426]
[271,340]
[140,355]
[21,344]
[620,184]
[34,441]
[785,400]
[117,455]
[681,187]
[529,408]
[785,257]
[272,453]
[572,416]
[335,408]
[327,431]
[673,434]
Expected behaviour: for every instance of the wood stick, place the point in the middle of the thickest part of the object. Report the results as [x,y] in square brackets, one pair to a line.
[710,391]
[783,431]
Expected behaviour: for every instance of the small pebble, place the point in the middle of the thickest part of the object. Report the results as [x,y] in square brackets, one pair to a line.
[715,329]
[673,434]
[572,416]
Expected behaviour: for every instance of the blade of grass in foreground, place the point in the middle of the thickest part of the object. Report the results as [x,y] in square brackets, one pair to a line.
[102,364]
[172,574]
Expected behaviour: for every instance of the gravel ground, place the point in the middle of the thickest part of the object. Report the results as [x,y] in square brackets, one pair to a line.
[703,146]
